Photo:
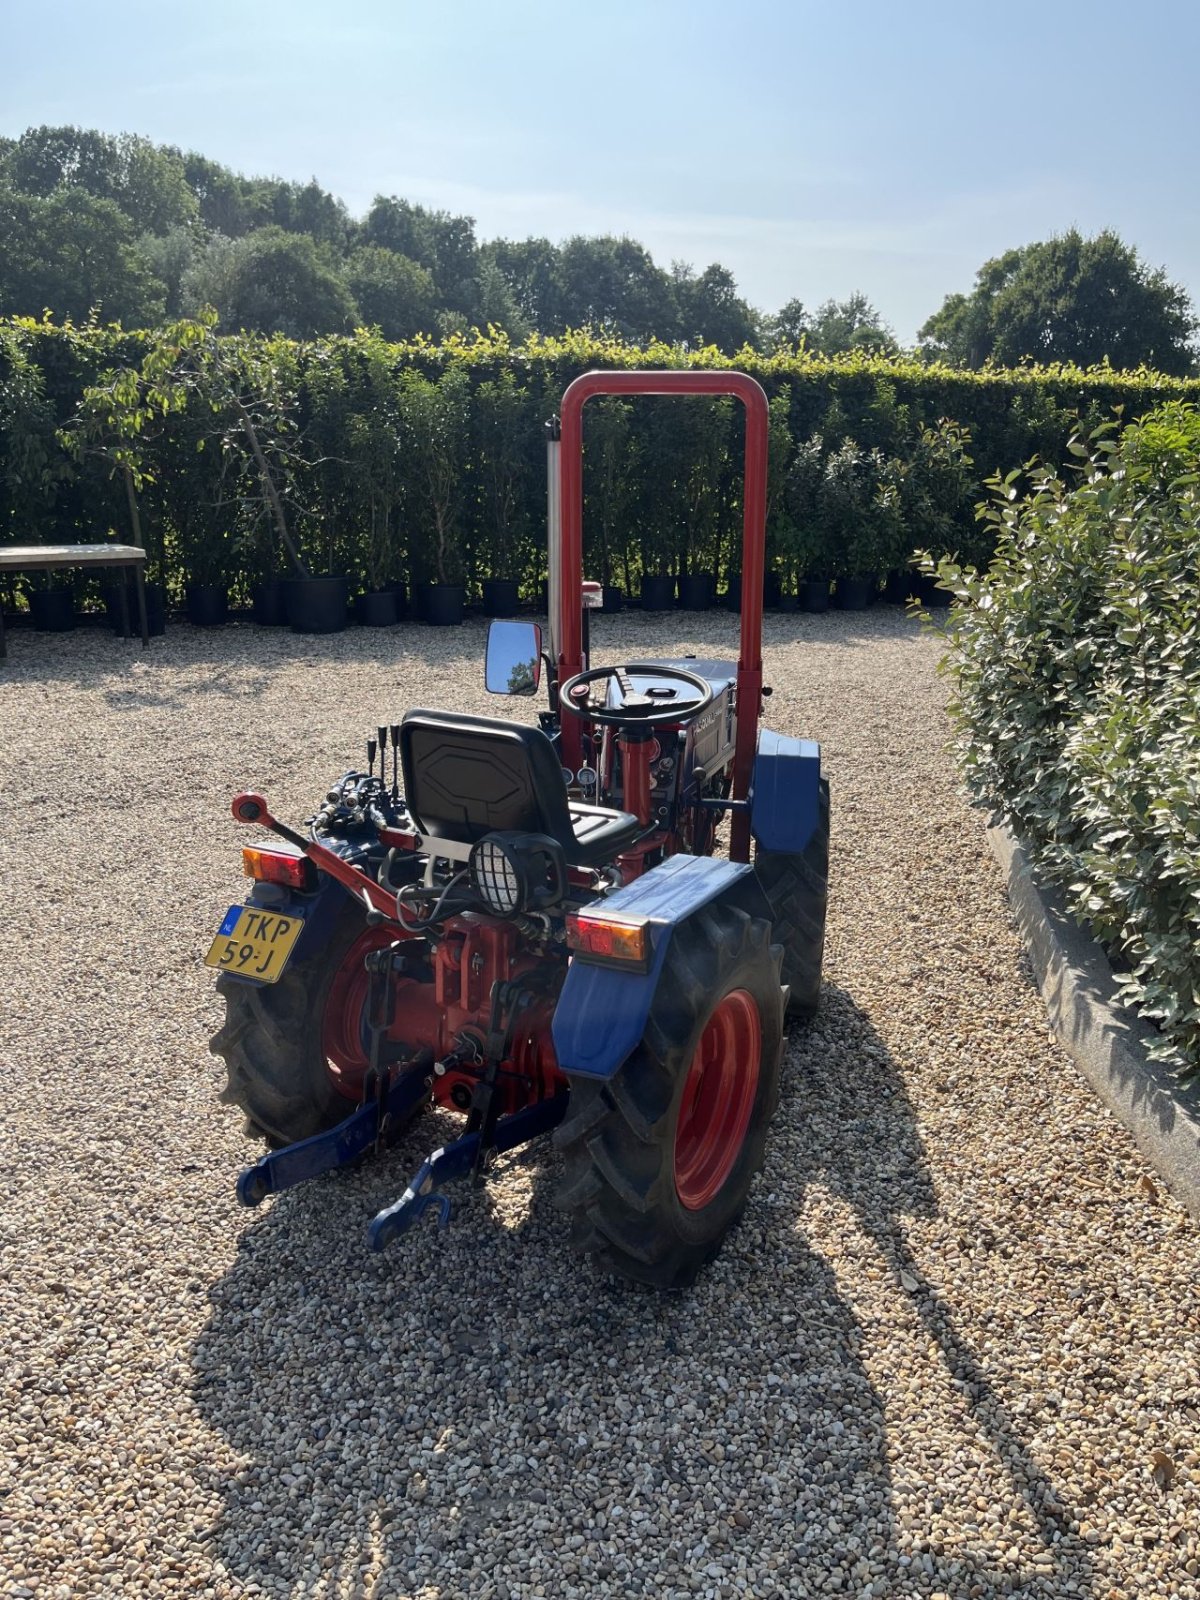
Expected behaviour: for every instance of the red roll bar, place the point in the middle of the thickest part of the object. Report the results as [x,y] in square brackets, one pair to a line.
[754,538]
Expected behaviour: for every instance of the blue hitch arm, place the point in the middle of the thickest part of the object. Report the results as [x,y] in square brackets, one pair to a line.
[456,1161]
[361,1131]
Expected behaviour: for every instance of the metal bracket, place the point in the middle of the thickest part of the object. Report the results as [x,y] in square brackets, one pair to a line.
[337,1147]
[456,1161]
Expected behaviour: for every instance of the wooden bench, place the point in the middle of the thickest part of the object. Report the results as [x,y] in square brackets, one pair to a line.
[55,557]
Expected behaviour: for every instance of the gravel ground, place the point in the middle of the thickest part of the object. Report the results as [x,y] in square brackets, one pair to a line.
[951,1350]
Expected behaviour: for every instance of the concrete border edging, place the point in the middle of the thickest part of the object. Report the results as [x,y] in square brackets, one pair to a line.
[1105,1039]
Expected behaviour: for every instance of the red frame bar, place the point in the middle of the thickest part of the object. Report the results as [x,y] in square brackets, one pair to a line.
[754,539]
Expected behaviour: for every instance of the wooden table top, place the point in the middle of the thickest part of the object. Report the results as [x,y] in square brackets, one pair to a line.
[32,557]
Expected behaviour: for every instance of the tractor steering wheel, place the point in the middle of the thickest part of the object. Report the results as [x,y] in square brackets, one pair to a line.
[652,708]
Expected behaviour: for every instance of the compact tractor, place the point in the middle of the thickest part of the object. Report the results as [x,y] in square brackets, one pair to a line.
[529,925]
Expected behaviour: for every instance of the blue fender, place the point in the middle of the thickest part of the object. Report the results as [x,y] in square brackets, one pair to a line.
[785,792]
[602,1011]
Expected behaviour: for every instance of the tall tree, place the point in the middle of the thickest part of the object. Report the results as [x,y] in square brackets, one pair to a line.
[73,254]
[270,282]
[393,293]
[147,181]
[787,327]
[1068,298]
[852,324]
[530,267]
[710,309]
[613,283]
[440,242]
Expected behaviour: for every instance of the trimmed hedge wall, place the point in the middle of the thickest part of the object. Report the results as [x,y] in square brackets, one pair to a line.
[423,461]
[1075,660]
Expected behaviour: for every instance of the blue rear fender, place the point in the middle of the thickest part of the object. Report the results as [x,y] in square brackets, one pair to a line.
[785,792]
[602,1011]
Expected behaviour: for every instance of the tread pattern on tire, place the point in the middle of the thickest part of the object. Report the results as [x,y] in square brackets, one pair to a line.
[797,887]
[271,1043]
[618,1137]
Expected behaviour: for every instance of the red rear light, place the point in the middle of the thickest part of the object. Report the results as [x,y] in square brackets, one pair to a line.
[610,940]
[279,866]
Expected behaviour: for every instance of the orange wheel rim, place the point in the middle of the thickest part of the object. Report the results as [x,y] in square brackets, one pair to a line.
[718,1100]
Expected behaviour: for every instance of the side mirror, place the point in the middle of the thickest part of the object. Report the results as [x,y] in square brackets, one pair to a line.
[514,658]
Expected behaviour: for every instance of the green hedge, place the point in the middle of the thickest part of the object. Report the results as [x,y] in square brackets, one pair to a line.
[421,460]
[1076,664]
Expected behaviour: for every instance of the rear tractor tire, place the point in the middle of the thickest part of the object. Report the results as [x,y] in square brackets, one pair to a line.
[797,887]
[275,1036]
[659,1159]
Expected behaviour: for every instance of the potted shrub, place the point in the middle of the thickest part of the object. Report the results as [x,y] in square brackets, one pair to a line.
[938,495]
[502,466]
[860,515]
[611,471]
[435,417]
[801,534]
[52,603]
[206,547]
[700,458]
[379,605]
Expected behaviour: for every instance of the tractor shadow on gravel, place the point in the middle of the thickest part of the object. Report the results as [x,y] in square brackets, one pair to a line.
[478,1412]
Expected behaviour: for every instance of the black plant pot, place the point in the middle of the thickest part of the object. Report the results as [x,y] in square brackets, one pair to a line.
[771,591]
[931,596]
[613,598]
[53,610]
[501,597]
[206,605]
[316,605]
[788,602]
[900,587]
[854,594]
[267,605]
[814,594]
[378,609]
[156,608]
[400,591]
[442,603]
[733,591]
[696,591]
[658,592]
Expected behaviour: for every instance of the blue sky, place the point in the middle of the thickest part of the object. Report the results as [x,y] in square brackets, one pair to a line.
[813,148]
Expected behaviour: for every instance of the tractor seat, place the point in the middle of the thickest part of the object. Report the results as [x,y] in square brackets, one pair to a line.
[467,776]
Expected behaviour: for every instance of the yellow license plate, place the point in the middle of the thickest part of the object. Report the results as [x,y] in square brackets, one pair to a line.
[254,943]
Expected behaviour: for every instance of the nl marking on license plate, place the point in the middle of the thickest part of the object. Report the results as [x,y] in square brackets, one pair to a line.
[254,943]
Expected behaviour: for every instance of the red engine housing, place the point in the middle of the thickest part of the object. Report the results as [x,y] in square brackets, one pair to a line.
[450,1015]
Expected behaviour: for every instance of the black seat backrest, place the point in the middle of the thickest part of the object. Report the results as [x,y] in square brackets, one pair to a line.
[467,776]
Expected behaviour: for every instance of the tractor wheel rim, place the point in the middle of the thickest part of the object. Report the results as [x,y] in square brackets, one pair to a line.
[718,1100]
[344,1024]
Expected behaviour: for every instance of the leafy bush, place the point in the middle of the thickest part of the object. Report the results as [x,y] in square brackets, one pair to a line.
[1076,665]
[334,485]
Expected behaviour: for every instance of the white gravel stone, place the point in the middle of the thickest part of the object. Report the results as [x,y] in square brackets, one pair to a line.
[939,1356]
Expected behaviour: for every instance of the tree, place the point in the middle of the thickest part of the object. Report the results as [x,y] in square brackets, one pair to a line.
[710,309]
[530,267]
[788,327]
[147,181]
[74,255]
[1067,299]
[393,293]
[228,203]
[169,256]
[271,282]
[440,242]
[613,283]
[853,324]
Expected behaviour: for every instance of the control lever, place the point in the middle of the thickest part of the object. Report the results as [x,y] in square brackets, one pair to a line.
[395,763]
[370,758]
